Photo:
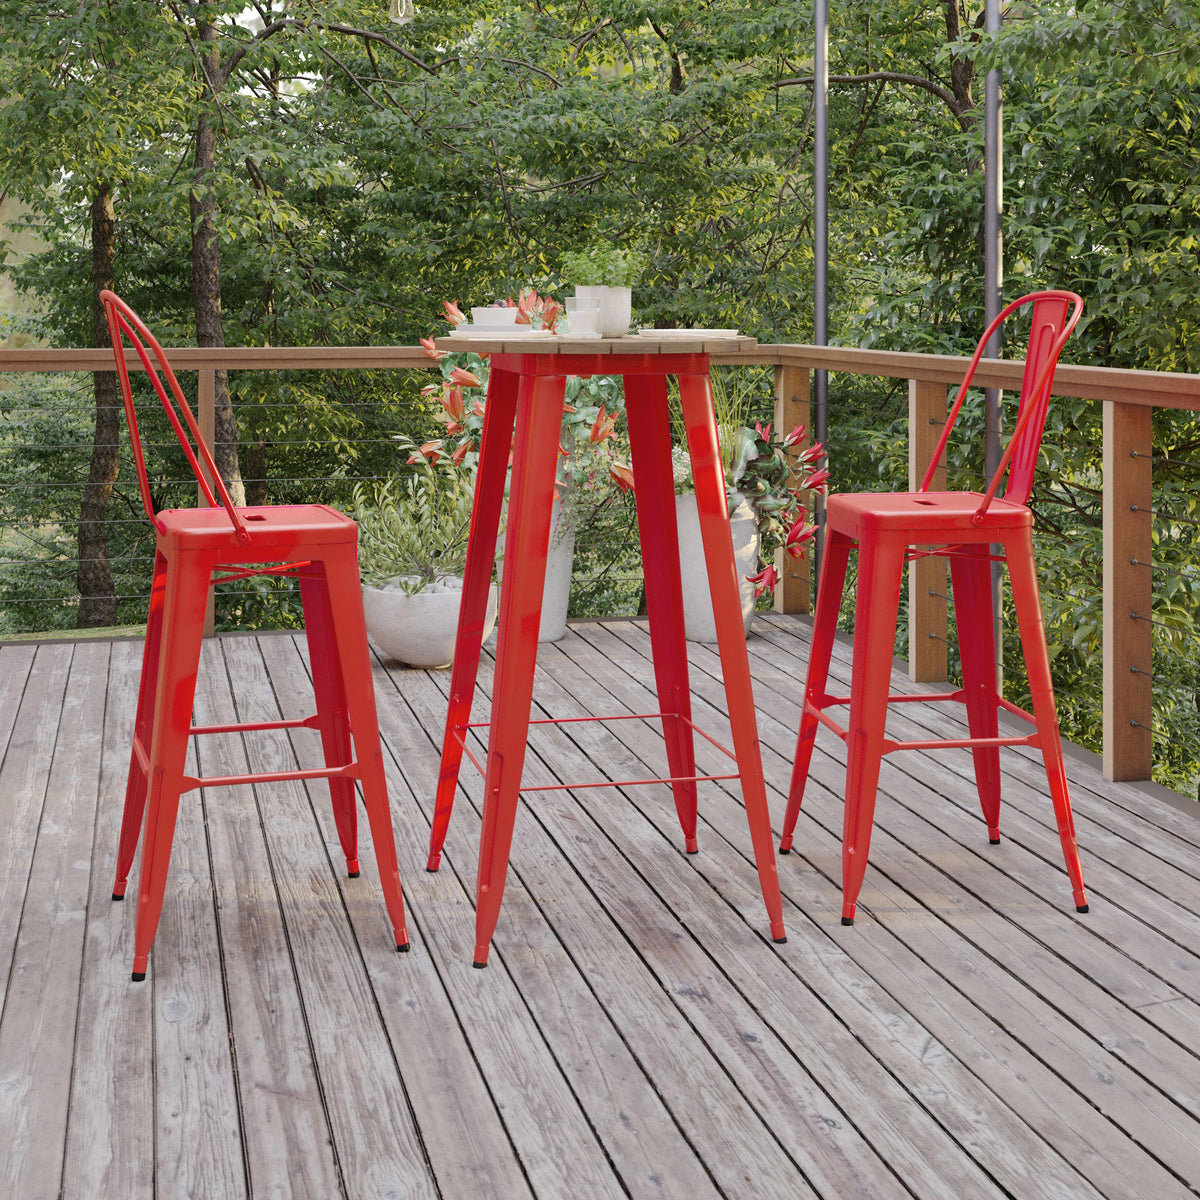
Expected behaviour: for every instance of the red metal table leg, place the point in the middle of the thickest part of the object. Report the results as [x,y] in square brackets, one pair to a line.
[535,453]
[498,421]
[696,396]
[650,444]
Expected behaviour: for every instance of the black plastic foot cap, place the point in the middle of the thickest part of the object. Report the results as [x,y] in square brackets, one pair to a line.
[118,895]
[847,920]
[352,874]
[138,976]
[694,850]
[479,965]
[431,870]
[780,940]
[785,849]
[993,841]
[401,947]
[1081,908]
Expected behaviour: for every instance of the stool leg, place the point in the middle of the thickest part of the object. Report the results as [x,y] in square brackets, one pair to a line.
[696,396]
[647,412]
[880,569]
[350,630]
[829,601]
[477,581]
[143,726]
[332,716]
[539,421]
[186,596]
[1028,607]
[971,576]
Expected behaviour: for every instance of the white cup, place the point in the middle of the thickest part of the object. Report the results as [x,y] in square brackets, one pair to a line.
[583,316]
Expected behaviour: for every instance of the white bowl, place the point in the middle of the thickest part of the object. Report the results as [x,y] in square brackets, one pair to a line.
[493,318]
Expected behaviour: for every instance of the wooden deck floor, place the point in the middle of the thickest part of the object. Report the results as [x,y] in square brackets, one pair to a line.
[637,1033]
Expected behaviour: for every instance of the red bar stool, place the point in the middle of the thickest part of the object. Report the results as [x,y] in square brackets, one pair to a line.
[196,548]
[525,393]
[889,529]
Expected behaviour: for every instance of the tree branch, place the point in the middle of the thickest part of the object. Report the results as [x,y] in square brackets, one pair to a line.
[947,97]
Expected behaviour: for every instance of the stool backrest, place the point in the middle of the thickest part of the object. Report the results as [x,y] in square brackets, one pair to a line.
[124,324]
[1055,315]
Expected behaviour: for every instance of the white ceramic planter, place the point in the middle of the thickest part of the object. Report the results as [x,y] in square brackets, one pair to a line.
[616,307]
[697,600]
[560,559]
[419,630]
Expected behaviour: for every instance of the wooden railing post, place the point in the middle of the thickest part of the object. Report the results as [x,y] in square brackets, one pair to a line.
[1128,591]
[793,593]
[206,418]
[927,658]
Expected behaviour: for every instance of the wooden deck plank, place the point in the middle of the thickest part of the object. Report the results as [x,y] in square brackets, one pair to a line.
[548,1127]
[24,775]
[289,1147]
[1153,1113]
[371,1121]
[1152,930]
[198,1145]
[461,1130]
[38,1025]
[636,1034]
[821,1033]
[110,1130]
[633,664]
[1034,1162]
[642,1008]
[16,661]
[627,1115]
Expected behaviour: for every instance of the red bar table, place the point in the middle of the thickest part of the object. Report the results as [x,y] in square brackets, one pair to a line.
[526,383]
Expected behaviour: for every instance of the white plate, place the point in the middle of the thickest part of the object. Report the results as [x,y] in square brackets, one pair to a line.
[687,333]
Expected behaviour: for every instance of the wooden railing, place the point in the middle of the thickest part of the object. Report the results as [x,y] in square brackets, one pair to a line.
[1129,399]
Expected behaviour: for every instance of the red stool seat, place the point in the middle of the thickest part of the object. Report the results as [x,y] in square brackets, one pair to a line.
[194,548]
[932,513]
[889,529]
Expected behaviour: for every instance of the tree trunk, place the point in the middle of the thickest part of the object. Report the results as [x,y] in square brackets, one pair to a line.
[97,597]
[206,270]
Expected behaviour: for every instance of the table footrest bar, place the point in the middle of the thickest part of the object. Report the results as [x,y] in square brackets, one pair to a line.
[960,743]
[570,787]
[312,722]
[349,771]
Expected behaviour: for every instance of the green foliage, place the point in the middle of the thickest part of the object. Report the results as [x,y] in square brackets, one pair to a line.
[603,265]
[363,176]
[413,530]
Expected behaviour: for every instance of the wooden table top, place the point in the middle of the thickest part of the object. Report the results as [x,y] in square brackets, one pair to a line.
[533,343]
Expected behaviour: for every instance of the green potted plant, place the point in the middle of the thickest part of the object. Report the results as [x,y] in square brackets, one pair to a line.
[412,548]
[606,274]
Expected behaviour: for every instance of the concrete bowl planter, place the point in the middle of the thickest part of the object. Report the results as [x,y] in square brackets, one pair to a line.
[698,620]
[419,630]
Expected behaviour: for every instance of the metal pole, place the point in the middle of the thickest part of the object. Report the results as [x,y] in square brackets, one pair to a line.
[821,234]
[993,276]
